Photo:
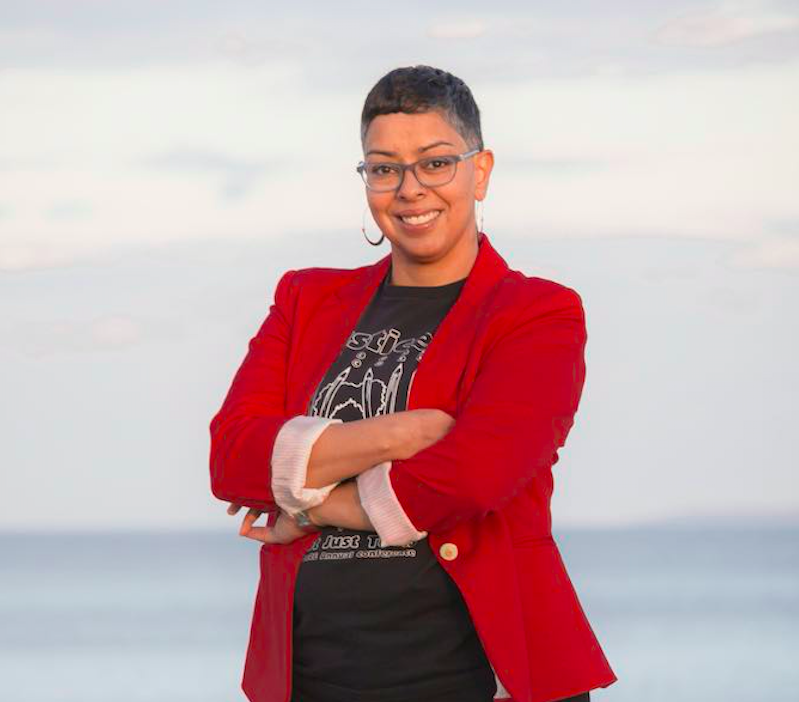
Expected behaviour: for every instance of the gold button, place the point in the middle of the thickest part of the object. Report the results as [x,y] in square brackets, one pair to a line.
[448,551]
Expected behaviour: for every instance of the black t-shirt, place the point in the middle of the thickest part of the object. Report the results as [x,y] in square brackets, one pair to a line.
[372,623]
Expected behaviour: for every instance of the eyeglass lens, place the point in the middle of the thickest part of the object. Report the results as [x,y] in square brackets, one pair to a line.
[430,172]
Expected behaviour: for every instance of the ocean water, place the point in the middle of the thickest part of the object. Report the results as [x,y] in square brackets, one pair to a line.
[690,614]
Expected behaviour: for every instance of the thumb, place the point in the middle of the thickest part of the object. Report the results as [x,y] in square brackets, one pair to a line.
[262,533]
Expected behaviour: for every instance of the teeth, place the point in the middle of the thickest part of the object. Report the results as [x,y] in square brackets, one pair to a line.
[421,219]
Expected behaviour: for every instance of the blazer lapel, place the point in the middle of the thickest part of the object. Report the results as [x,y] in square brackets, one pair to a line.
[439,372]
[330,327]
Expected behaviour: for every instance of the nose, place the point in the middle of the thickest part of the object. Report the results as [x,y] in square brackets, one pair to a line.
[409,185]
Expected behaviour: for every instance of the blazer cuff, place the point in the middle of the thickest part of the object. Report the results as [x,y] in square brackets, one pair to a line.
[291,452]
[384,509]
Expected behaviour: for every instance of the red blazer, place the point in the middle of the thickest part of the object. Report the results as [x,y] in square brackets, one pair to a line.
[508,363]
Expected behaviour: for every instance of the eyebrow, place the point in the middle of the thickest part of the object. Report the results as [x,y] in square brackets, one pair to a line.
[420,150]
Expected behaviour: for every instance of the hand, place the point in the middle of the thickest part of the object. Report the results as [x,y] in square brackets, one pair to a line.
[421,428]
[283,531]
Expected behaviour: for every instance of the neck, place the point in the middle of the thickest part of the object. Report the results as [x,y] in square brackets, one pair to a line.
[454,265]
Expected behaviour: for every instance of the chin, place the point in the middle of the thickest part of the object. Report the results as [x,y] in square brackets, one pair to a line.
[429,247]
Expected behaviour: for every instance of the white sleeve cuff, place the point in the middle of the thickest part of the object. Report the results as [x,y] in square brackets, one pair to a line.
[380,503]
[291,452]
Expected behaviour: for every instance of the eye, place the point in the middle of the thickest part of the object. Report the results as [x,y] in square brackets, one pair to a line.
[381,169]
[436,163]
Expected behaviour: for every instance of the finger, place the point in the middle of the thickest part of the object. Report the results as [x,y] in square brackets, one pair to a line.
[249,519]
[233,508]
[263,534]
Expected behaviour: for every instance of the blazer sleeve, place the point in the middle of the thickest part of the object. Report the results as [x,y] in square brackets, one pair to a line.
[258,458]
[519,411]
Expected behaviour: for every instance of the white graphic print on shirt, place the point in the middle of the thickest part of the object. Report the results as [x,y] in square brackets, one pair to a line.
[369,396]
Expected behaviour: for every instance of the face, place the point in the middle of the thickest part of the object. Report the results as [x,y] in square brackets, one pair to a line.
[402,138]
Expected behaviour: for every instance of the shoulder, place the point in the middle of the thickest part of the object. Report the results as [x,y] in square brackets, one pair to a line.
[528,309]
[529,291]
[322,277]
[316,282]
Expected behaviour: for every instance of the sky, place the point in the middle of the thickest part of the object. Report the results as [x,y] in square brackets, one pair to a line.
[161,165]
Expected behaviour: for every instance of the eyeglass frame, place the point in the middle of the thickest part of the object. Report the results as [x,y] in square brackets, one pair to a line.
[360,168]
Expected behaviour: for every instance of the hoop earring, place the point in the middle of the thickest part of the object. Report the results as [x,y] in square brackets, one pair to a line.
[363,229]
[480,210]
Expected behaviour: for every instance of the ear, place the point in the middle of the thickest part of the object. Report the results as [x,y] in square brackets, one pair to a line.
[483,164]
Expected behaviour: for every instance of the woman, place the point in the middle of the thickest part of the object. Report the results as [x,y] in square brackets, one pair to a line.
[408,553]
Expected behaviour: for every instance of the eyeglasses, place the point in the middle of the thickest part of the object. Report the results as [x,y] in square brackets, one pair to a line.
[431,172]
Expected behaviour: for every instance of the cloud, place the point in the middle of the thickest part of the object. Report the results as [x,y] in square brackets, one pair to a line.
[457,29]
[69,210]
[179,153]
[555,165]
[105,333]
[114,332]
[733,300]
[777,253]
[29,256]
[723,26]
[238,175]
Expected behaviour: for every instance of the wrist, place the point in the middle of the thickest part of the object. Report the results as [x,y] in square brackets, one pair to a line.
[316,519]
[302,521]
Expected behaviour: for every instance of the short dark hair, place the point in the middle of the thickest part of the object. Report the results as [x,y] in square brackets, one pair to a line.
[417,89]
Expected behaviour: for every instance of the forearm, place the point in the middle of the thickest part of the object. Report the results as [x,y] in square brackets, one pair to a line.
[347,449]
[342,508]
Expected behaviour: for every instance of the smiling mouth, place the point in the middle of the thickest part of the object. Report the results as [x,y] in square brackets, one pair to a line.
[421,219]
